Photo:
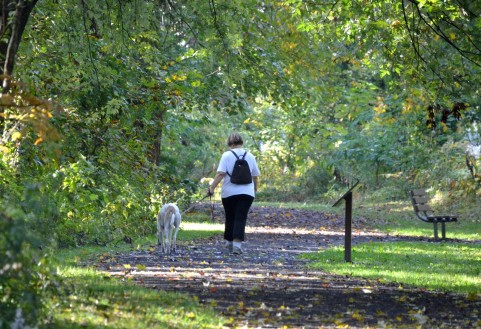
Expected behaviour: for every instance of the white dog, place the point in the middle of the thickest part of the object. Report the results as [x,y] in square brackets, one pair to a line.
[168,223]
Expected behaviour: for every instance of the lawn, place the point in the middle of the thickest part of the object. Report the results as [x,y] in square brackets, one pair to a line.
[453,267]
[90,299]
[398,218]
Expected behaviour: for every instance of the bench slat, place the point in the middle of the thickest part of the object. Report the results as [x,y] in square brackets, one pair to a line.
[422,207]
[446,219]
[420,200]
[419,192]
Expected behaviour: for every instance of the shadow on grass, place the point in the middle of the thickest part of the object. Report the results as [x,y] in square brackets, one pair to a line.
[93,300]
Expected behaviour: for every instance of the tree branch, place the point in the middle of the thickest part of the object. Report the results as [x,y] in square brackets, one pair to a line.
[21,13]
[450,22]
[438,31]
[217,25]
[84,6]
[462,6]
[411,34]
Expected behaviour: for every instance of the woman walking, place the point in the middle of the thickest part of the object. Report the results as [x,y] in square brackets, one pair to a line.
[237,198]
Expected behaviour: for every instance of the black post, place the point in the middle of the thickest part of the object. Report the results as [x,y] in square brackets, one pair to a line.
[347,197]
[348,227]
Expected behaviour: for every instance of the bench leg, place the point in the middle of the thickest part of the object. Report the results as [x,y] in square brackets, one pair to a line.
[435,224]
[443,230]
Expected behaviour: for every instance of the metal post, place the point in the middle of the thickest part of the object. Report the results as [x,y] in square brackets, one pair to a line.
[436,238]
[347,197]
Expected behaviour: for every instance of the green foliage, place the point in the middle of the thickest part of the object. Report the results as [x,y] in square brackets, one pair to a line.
[100,205]
[315,98]
[323,93]
[25,274]
[446,267]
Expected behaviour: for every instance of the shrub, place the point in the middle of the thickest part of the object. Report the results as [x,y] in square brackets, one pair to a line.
[24,272]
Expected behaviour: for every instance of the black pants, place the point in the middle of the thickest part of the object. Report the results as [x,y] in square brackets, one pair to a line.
[236,208]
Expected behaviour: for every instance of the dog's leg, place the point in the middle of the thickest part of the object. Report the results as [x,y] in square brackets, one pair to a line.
[165,244]
[160,240]
[169,246]
[176,230]
[167,229]
[174,239]
[171,231]
[159,230]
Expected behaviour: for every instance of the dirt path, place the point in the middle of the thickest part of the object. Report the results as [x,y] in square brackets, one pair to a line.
[269,286]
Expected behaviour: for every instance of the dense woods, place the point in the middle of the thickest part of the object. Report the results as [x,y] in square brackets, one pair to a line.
[111,108]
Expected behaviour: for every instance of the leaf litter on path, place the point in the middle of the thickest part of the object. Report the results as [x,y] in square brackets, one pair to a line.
[269,286]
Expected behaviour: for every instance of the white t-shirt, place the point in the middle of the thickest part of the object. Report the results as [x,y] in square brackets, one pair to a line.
[226,164]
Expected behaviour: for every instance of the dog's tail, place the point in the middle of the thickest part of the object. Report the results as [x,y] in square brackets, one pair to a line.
[170,213]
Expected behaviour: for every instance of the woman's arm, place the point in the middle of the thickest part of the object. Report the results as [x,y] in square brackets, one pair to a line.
[217,179]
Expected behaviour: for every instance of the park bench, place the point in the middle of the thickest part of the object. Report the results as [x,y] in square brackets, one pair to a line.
[424,212]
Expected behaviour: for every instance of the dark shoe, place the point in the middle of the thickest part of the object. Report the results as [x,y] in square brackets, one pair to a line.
[237,250]
[228,245]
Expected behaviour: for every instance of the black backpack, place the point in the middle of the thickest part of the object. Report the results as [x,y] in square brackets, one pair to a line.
[241,174]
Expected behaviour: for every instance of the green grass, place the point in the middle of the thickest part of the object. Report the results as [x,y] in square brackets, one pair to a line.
[398,218]
[297,205]
[92,299]
[198,225]
[439,266]
[446,266]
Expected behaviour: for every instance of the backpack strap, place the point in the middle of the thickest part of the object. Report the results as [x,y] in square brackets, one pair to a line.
[238,158]
[235,154]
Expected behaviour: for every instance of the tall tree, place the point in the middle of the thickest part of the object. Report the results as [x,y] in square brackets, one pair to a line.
[14,16]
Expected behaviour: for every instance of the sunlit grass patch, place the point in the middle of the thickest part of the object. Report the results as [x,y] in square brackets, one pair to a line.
[437,266]
[94,300]
[457,231]
[202,227]
[193,231]
[299,205]
[196,217]
[198,226]
[396,218]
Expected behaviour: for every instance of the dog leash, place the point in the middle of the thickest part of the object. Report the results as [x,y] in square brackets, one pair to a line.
[211,209]
[195,204]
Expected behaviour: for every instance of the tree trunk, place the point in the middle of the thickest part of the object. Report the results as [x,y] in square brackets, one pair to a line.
[14,16]
[155,150]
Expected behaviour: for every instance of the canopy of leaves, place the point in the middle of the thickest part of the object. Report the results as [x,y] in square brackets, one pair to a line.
[116,107]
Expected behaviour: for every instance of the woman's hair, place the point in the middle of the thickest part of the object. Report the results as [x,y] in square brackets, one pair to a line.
[234,139]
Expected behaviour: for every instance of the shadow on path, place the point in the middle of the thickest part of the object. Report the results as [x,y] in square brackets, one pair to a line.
[268,286]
